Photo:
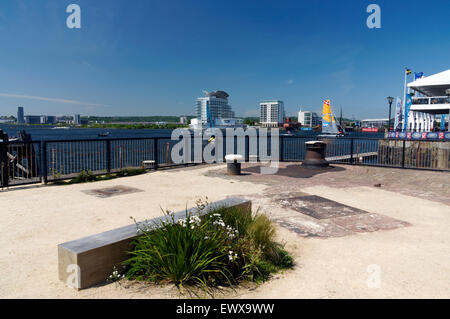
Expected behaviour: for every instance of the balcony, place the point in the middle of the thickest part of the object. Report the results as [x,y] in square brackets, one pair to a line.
[433,104]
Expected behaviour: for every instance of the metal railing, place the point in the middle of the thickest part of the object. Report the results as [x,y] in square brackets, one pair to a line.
[52,160]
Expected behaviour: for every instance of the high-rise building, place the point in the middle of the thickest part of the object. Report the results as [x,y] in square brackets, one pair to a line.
[309,118]
[77,119]
[213,106]
[20,115]
[272,113]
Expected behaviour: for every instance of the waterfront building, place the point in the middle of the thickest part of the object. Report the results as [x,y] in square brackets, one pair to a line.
[20,115]
[309,118]
[77,119]
[212,107]
[431,99]
[32,119]
[48,119]
[272,113]
[219,123]
[183,119]
[374,123]
[229,123]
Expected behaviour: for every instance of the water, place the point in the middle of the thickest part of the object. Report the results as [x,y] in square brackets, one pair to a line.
[47,133]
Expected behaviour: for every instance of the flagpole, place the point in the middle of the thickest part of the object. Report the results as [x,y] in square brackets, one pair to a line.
[404,103]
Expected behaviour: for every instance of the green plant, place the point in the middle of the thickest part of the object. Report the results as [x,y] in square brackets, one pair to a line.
[222,247]
[180,252]
[130,172]
[84,177]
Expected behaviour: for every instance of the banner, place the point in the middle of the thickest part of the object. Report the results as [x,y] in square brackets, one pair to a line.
[443,122]
[407,108]
[398,114]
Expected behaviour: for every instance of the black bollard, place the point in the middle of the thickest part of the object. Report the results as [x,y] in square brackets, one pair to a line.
[234,164]
[315,155]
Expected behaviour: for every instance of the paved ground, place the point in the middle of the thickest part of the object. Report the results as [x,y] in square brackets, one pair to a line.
[408,257]
[429,185]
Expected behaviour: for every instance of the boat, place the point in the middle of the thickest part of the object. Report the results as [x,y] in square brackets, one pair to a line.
[60,128]
[330,127]
[104,134]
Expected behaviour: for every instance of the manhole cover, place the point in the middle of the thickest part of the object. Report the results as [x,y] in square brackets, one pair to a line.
[112,191]
[320,208]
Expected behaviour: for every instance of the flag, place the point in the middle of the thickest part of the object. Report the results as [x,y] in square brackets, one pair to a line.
[408,71]
[407,108]
[443,122]
[398,114]
[418,75]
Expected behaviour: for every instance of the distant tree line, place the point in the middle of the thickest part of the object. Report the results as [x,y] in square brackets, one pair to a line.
[137,119]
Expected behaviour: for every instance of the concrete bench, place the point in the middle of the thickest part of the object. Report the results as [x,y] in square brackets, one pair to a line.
[91,260]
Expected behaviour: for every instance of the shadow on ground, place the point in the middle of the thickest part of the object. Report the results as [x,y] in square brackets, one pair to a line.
[295,170]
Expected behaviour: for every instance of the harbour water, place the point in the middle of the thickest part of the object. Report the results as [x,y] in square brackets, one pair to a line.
[48,133]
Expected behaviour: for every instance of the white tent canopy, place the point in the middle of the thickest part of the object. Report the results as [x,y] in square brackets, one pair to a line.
[433,85]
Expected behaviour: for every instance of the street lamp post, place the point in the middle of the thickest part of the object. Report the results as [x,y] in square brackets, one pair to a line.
[390,100]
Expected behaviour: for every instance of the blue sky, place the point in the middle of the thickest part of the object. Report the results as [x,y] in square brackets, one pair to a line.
[147,57]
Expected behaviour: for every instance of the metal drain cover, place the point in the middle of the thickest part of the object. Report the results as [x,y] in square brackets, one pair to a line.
[112,191]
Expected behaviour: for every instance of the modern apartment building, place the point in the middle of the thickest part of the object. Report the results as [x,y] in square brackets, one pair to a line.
[272,113]
[309,118]
[212,107]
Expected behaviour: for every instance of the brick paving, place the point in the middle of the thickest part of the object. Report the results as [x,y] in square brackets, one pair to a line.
[315,216]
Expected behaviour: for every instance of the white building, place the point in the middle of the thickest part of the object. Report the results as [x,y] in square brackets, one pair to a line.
[183,119]
[374,123]
[212,107]
[272,113]
[309,118]
[431,99]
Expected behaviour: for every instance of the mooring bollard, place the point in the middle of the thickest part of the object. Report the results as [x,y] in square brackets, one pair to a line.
[315,155]
[234,164]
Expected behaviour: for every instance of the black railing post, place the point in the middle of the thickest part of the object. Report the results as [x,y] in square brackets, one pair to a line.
[4,164]
[403,153]
[108,157]
[247,148]
[155,151]
[351,151]
[44,165]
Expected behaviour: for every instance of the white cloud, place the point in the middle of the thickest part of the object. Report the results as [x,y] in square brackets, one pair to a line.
[49,99]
